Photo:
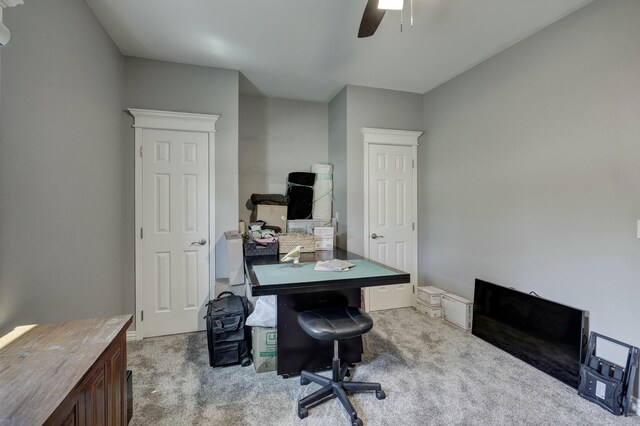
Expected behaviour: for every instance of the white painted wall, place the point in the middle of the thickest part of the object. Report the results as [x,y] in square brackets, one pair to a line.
[531,169]
[278,136]
[61,171]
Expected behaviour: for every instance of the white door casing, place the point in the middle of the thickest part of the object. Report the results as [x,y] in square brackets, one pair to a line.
[174,209]
[175,283]
[390,191]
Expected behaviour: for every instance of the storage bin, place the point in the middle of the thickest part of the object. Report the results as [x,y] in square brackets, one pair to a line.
[253,249]
[429,310]
[289,241]
[430,295]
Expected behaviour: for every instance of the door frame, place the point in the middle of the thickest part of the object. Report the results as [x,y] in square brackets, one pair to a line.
[178,121]
[375,136]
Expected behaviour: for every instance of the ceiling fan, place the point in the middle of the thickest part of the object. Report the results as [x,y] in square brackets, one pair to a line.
[374,12]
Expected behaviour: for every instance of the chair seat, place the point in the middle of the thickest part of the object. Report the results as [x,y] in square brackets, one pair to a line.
[335,323]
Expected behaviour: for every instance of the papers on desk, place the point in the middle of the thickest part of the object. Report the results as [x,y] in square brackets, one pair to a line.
[335,265]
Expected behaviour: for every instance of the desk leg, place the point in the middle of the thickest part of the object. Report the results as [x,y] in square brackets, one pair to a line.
[296,349]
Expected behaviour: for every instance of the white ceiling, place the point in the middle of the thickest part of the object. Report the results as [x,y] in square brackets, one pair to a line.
[308,49]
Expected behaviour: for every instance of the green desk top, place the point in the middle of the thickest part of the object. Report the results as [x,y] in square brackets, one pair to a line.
[284,273]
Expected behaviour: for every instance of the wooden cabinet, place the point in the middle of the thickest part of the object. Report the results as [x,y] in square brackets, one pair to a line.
[71,373]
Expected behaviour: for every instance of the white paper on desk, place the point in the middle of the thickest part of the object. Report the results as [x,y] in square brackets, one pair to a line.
[334,265]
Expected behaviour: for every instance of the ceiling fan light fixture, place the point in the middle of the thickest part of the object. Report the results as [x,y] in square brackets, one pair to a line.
[390,4]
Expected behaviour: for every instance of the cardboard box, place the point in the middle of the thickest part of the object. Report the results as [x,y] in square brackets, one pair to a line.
[272,215]
[430,295]
[324,237]
[429,310]
[323,232]
[264,342]
[457,310]
[305,226]
[324,244]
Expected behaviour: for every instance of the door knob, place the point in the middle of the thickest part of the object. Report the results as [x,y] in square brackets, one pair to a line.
[199,243]
[375,236]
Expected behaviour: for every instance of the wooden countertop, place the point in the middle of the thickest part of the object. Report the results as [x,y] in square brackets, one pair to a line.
[40,365]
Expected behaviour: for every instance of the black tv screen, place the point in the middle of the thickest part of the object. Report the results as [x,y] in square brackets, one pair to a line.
[545,334]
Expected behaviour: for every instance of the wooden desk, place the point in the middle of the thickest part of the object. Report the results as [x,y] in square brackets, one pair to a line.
[296,350]
[71,373]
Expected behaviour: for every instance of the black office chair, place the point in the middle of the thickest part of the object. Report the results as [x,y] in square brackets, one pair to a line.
[335,324]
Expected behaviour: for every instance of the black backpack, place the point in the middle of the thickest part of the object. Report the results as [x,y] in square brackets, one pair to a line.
[228,336]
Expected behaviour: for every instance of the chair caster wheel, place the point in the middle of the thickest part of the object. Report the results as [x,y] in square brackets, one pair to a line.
[348,373]
[357,422]
[304,381]
[246,362]
[380,394]
[302,412]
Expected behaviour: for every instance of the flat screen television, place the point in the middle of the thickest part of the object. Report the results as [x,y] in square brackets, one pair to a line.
[545,334]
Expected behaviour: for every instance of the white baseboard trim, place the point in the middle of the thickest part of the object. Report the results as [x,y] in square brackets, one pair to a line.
[131,335]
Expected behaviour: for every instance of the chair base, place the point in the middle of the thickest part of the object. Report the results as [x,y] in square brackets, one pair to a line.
[335,387]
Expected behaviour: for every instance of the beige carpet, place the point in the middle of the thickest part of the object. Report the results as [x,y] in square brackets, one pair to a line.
[432,373]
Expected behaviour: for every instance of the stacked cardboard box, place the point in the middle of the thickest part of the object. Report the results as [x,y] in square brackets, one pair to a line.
[272,215]
[429,301]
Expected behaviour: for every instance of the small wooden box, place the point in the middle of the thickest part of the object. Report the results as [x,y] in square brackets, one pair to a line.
[430,295]
[457,310]
[429,310]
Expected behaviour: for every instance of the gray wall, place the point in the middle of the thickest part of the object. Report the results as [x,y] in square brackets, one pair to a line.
[368,107]
[531,173]
[61,171]
[338,157]
[170,86]
[278,136]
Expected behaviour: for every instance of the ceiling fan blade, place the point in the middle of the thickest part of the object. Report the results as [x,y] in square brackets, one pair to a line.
[371,18]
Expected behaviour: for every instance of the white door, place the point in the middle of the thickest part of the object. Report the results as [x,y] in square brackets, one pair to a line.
[175,229]
[391,223]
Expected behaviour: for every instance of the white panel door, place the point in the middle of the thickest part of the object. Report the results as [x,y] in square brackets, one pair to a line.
[391,207]
[175,228]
